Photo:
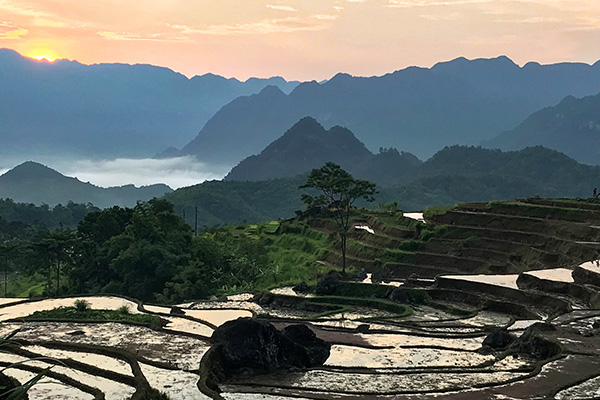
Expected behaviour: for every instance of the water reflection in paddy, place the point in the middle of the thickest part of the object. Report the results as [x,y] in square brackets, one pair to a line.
[179,385]
[97,360]
[347,356]
[182,351]
[113,390]
[331,381]
[48,388]
[507,280]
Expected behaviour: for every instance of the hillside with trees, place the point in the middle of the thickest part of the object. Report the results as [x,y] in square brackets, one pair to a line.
[418,110]
[35,183]
[571,127]
[453,175]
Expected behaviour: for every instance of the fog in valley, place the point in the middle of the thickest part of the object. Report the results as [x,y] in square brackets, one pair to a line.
[175,172]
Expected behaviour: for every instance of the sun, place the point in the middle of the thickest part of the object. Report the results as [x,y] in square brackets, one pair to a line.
[43,54]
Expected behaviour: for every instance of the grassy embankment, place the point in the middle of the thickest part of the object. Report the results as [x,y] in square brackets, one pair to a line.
[81,312]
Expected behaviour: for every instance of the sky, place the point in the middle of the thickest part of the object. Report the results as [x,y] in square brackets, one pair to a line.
[300,39]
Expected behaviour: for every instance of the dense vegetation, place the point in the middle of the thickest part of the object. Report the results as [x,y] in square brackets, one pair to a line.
[13,215]
[148,252]
[454,175]
[572,126]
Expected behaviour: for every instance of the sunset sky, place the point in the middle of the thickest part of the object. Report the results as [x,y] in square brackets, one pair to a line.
[300,39]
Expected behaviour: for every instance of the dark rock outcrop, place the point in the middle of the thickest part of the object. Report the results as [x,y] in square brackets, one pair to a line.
[586,277]
[531,343]
[329,283]
[317,350]
[499,339]
[536,345]
[250,345]
[531,282]
[177,311]
[302,287]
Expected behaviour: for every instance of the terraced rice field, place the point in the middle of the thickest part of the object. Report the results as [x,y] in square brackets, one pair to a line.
[479,267]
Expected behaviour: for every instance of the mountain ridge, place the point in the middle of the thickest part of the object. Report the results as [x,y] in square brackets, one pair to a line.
[32,182]
[572,126]
[107,110]
[417,109]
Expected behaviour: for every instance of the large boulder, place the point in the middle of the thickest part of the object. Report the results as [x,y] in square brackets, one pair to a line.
[499,339]
[317,350]
[252,345]
[329,283]
[585,276]
[532,343]
[531,282]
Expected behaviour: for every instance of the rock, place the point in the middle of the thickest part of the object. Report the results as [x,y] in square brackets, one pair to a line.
[176,311]
[586,277]
[499,339]
[596,324]
[534,344]
[531,282]
[363,328]
[318,350]
[302,287]
[399,295]
[75,333]
[263,299]
[247,344]
[329,283]
[361,275]
[486,350]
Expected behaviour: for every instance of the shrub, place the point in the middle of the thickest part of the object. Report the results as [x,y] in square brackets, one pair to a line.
[81,305]
[124,309]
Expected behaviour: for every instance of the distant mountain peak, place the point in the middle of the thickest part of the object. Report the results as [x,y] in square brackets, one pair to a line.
[305,146]
[463,64]
[30,169]
[32,182]
[271,90]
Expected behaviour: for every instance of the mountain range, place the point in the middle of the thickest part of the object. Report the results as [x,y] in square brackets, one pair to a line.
[307,145]
[35,183]
[573,126]
[107,110]
[265,186]
[419,110]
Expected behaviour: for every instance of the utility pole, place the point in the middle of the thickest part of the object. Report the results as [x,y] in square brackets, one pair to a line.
[5,275]
[196,222]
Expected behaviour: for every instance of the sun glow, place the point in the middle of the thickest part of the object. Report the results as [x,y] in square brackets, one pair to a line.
[47,55]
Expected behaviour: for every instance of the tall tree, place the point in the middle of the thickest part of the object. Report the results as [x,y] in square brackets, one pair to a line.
[338,192]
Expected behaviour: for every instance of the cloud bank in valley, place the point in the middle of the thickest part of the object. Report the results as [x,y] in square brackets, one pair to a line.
[175,172]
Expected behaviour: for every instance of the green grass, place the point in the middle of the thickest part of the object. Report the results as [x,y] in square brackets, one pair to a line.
[24,286]
[294,259]
[270,227]
[543,211]
[89,315]
[431,211]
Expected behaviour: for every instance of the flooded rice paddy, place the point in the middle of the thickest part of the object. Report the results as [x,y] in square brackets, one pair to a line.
[431,353]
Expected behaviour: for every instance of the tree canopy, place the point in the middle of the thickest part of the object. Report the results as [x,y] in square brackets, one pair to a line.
[338,191]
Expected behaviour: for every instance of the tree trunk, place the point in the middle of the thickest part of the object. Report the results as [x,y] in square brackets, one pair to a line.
[57,276]
[343,254]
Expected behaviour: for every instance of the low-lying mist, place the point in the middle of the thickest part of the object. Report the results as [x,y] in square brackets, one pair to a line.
[175,172]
